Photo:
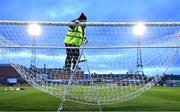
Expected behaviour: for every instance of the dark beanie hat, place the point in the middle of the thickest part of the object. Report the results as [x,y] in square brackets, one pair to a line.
[82,16]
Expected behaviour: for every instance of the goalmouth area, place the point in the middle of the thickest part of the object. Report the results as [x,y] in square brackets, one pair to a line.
[31,99]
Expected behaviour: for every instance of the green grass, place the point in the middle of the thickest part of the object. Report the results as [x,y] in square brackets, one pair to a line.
[31,99]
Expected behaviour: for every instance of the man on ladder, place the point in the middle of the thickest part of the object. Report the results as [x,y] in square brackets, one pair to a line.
[75,38]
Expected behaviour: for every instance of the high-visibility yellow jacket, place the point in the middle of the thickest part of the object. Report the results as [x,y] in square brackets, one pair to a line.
[75,36]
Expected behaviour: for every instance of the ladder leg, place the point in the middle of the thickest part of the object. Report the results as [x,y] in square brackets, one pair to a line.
[66,88]
[92,82]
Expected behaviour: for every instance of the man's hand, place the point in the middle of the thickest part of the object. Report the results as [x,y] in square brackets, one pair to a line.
[86,41]
[77,21]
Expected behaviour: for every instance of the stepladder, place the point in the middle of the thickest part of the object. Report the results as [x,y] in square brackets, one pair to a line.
[81,59]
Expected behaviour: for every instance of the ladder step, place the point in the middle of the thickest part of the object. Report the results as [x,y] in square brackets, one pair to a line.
[83,60]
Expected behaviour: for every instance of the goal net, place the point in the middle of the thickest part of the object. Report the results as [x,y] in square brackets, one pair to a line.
[117,64]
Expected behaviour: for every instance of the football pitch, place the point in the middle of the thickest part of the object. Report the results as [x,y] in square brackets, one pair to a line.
[31,99]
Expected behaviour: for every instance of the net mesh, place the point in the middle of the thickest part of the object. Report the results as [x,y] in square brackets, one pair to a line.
[111,70]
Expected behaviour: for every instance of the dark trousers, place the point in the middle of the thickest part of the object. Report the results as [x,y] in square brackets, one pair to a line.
[72,56]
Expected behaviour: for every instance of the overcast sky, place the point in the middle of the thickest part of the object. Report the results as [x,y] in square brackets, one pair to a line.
[96,10]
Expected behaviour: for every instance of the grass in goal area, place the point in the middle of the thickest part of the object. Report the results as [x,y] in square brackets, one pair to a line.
[31,99]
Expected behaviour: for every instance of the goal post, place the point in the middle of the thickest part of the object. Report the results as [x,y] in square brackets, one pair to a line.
[123,59]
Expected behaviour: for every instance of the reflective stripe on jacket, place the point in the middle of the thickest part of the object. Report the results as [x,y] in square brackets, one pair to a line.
[75,36]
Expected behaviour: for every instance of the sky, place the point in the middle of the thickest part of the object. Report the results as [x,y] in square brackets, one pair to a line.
[96,11]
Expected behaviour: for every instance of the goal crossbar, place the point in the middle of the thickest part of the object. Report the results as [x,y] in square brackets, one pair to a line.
[47,23]
[87,47]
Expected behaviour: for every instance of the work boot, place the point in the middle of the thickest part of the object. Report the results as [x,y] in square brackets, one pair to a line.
[78,68]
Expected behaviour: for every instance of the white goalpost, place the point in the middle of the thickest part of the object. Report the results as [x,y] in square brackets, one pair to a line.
[119,62]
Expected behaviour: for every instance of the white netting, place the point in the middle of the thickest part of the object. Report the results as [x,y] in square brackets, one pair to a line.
[111,73]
